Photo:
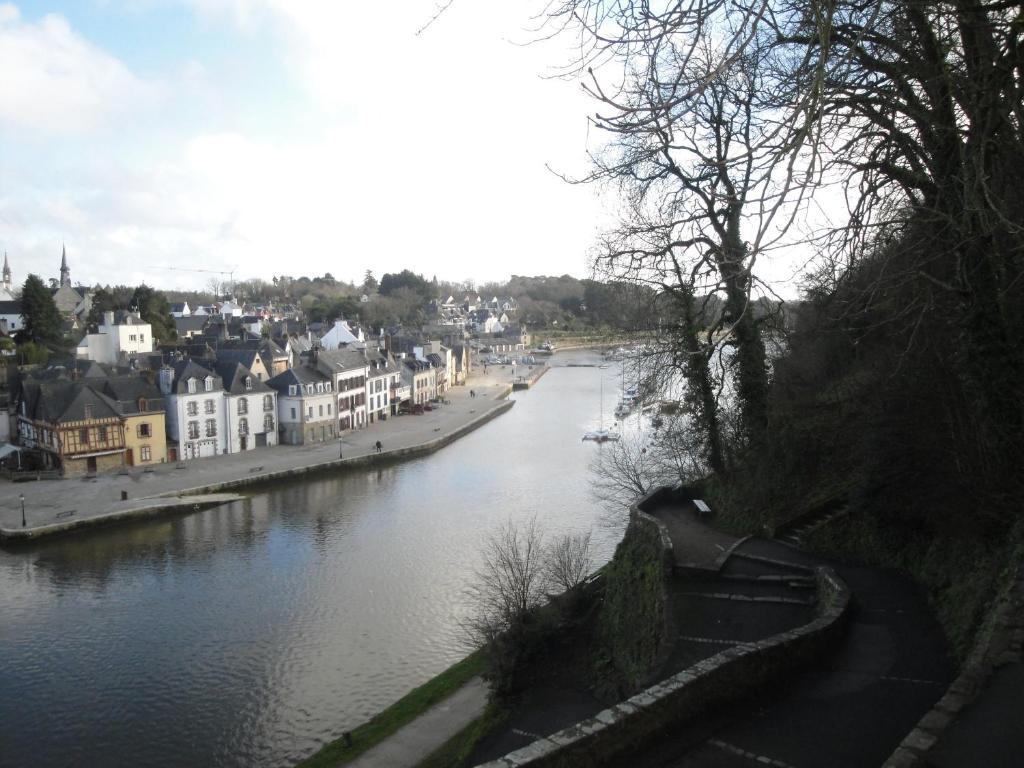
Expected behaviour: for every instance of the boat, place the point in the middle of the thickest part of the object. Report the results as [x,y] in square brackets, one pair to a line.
[601,435]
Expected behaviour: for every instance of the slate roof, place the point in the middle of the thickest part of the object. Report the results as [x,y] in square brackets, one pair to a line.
[10,307]
[190,324]
[129,390]
[233,375]
[245,357]
[60,401]
[189,369]
[381,364]
[339,360]
[299,376]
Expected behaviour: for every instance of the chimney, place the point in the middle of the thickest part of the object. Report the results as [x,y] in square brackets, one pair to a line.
[108,318]
[166,378]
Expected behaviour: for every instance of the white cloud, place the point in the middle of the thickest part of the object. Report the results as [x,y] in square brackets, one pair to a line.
[413,152]
[57,83]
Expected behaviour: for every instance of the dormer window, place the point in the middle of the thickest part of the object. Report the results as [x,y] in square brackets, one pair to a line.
[292,390]
[248,382]
[191,386]
[209,383]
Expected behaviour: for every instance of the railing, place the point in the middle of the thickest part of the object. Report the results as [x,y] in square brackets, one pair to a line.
[25,475]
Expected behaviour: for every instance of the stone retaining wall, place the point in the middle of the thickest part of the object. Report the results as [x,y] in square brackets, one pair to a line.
[356,462]
[729,675]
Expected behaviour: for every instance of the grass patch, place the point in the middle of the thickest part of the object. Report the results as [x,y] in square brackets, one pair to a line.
[403,711]
[455,752]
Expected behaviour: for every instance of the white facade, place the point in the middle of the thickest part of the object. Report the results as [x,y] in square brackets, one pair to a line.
[195,412]
[250,420]
[341,334]
[15,322]
[116,341]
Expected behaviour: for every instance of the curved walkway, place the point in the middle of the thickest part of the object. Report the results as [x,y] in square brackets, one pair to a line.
[851,710]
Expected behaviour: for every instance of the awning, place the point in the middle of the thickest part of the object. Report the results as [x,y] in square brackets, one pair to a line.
[8,449]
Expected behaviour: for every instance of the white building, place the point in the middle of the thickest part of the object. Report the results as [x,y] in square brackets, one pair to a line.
[382,377]
[195,410]
[348,370]
[119,337]
[341,335]
[250,409]
[11,320]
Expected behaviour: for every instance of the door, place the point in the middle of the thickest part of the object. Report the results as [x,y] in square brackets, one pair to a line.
[244,442]
[129,457]
[90,465]
[261,440]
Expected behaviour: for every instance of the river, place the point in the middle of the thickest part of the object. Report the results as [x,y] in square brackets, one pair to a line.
[250,634]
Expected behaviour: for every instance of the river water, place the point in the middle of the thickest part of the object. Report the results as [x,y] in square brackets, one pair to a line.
[250,634]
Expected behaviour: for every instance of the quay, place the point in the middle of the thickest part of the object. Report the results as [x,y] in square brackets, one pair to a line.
[60,505]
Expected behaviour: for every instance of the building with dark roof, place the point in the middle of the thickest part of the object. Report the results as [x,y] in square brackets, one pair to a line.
[306,406]
[195,407]
[250,407]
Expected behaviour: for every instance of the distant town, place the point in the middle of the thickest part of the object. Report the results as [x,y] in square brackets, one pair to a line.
[100,379]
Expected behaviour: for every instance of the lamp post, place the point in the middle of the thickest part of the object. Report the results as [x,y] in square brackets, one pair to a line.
[22,497]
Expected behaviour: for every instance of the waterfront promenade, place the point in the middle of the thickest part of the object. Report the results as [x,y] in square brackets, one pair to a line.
[53,504]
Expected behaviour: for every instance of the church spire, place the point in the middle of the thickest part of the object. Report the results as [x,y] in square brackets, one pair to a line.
[6,273]
[65,271]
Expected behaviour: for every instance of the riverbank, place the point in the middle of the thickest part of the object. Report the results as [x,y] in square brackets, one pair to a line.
[57,506]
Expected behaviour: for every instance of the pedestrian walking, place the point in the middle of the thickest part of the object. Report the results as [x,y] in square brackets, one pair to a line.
[379,447]
[341,451]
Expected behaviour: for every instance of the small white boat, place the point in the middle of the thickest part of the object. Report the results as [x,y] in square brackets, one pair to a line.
[601,435]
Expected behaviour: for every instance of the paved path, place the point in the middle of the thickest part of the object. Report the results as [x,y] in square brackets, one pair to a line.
[48,501]
[411,743]
[852,709]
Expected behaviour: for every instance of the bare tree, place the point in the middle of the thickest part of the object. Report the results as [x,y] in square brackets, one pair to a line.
[568,561]
[509,583]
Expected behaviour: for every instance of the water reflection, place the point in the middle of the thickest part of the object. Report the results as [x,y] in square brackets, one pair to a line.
[250,634]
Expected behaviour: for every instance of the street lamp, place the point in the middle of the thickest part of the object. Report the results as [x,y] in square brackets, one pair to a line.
[22,497]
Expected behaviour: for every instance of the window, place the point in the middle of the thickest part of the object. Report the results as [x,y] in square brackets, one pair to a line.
[88,410]
[268,423]
[294,417]
[311,411]
[268,402]
[142,337]
[131,337]
[243,426]
[211,427]
[327,386]
[192,386]
[209,383]
[193,430]
[328,409]
[248,382]
[292,390]
[103,435]
[211,406]
[144,430]
[145,452]
[83,436]
[143,405]
[320,387]
[321,411]
[192,408]
[243,405]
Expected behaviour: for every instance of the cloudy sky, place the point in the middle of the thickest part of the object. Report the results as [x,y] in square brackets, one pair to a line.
[287,137]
